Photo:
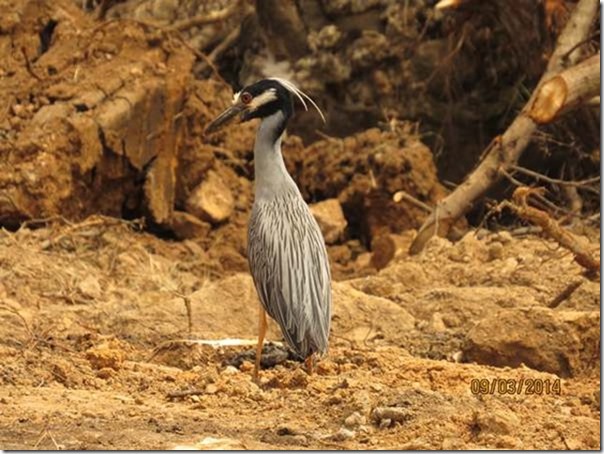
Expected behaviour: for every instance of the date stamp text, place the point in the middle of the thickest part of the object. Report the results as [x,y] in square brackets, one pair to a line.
[518,386]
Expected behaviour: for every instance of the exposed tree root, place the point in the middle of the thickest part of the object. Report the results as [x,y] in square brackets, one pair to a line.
[505,150]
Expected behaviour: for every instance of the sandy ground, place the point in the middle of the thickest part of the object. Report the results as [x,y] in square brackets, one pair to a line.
[96,351]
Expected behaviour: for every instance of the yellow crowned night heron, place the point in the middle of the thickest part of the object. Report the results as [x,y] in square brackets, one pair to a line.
[286,250]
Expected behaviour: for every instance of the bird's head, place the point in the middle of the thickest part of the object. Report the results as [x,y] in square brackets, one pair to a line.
[263,99]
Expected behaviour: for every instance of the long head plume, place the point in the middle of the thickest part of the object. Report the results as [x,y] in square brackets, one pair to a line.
[291,87]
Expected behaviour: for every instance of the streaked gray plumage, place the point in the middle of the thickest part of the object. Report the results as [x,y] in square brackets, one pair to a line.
[286,250]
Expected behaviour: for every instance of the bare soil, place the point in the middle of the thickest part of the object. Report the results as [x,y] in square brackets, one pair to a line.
[139,333]
[96,351]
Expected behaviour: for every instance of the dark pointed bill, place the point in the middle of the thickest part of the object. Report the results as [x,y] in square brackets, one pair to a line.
[224,118]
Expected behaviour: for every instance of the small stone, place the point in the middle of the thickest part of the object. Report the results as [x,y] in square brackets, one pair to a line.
[342,435]
[385,423]
[212,200]
[354,420]
[437,323]
[195,398]
[331,220]
[211,389]
[495,251]
[105,373]
[498,422]
[105,356]
[505,237]
[90,287]
[392,414]
[230,370]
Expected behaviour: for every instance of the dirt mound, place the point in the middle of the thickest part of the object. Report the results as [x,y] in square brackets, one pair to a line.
[97,351]
[364,172]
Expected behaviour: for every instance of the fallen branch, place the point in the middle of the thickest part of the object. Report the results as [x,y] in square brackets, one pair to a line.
[567,90]
[505,150]
[550,227]
[203,19]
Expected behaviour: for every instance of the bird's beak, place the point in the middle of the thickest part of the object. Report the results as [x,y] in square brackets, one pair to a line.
[225,117]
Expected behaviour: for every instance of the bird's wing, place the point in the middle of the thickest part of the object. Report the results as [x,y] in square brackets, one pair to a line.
[290,267]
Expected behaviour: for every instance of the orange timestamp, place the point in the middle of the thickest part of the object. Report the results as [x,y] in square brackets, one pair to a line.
[526,386]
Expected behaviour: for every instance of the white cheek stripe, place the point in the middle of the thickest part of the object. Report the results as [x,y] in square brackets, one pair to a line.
[263,98]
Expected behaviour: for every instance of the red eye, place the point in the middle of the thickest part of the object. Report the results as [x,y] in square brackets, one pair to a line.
[246,98]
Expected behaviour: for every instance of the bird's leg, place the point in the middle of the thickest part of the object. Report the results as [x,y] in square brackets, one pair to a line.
[309,362]
[261,334]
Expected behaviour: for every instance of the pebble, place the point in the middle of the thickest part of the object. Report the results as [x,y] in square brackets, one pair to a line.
[495,251]
[211,389]
[230,370]
[343,434]
[354,420]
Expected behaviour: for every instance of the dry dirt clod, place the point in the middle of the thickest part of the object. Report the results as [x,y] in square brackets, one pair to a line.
[331,220]
[105,356]
[212,200]
[186,226]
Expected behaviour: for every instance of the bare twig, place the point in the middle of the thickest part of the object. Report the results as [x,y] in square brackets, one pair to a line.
[565,238]
[15,312]
[402,195]
[542,177]
[28,65]
[203,19]
[184,393]
[564,294]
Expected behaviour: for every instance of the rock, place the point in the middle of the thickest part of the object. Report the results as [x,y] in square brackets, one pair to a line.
[230,370]
[495,250]
[354,420]
[566,343]
[383,249]
[211,388]
[186,226]
[498,422]
[437,323]
[105,355]
[330,218]
[342,435]
[213,444]
[394,414]
[212,200]
[90,287]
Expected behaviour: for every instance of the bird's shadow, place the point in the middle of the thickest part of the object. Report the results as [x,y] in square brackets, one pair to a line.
[272,355]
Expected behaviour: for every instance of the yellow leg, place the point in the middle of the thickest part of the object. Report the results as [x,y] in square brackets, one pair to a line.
[310,363]
[261,334]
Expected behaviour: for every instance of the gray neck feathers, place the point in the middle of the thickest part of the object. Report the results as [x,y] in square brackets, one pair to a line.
[271,177]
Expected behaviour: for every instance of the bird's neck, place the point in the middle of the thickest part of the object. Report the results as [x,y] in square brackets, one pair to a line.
[271,176]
